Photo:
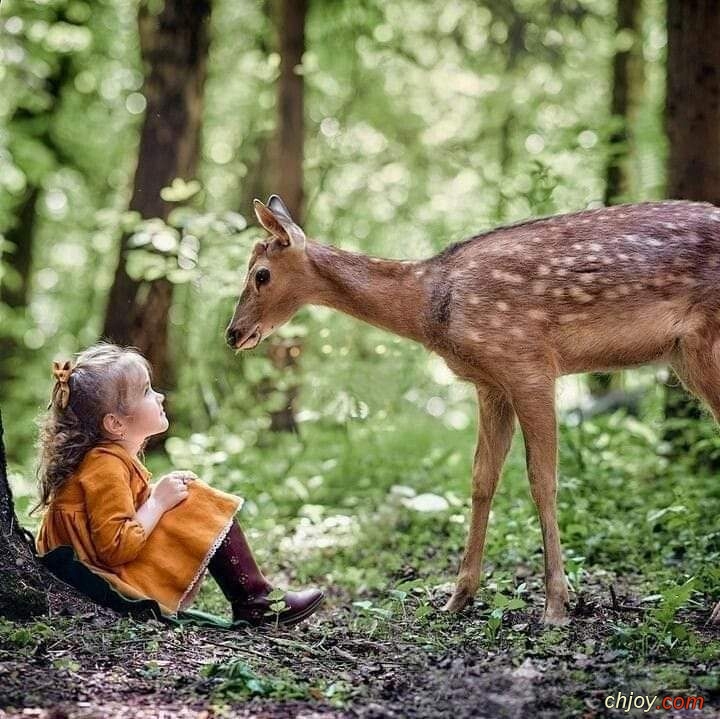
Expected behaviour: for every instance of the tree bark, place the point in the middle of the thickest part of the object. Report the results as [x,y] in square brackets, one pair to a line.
[27,589]
[291,90]
[627,85]
[174,46]
[288,172]
[692,116]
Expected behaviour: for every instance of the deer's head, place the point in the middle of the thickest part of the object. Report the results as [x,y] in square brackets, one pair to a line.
[274,286]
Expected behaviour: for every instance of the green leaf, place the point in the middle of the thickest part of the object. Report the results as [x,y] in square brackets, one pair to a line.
[180,191]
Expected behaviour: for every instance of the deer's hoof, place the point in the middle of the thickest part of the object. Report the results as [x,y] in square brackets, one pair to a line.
[715,616]
[554,617]
[459,600]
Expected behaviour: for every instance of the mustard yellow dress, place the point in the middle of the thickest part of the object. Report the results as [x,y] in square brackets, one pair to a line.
[93,512]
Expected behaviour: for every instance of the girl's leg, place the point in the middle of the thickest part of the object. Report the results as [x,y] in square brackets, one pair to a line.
[242,582]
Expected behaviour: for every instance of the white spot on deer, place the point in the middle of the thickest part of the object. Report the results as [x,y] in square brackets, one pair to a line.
[591,258]
[517,332]
[572,317]
[538,287]
[420,272]
[595,247]
[623,289]
[561,272]
[713,261]
[555,260]
[687,280]
[637,257]
[652,241]
[657,281]
[577,246]
[536,314]
[495,322]
[587,279]
[472,265]
[507,277]
[543,270]
[606,260]
[622,256]
[474,300]
[579,294]
[568,261]
[610,294]
[638,286]
[502,306]
[558,292]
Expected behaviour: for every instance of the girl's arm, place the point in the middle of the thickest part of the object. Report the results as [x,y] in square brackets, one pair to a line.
[168,492]
[148,515]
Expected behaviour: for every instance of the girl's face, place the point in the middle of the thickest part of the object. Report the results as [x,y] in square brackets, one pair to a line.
[147,416]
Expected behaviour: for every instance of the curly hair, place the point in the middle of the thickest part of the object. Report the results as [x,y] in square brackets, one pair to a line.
[102,382]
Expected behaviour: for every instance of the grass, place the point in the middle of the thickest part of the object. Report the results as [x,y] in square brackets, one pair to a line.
[339,507]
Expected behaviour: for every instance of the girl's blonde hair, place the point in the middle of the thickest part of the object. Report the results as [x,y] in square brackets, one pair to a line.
[101,382]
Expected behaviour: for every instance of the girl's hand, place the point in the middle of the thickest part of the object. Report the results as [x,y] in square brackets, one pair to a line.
[172,489]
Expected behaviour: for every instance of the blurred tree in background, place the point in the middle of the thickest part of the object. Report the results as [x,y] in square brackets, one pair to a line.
[693,128]
[174,46]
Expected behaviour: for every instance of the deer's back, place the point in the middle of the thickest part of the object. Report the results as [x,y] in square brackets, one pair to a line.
[597,289]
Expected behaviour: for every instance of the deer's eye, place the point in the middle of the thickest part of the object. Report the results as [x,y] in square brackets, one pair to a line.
[262,276]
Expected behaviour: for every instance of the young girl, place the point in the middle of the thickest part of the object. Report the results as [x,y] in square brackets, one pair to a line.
[147,541]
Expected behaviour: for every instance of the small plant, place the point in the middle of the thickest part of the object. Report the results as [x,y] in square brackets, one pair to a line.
[501,604]
[277,605]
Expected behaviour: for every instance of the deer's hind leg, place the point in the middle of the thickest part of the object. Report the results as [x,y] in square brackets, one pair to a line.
[496,424]
[697,364]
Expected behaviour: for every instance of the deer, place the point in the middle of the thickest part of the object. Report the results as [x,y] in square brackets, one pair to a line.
[511,310]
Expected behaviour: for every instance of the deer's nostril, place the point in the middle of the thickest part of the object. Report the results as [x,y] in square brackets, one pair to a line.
[231,337]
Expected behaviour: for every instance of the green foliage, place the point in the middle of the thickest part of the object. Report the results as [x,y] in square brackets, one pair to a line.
[236,680]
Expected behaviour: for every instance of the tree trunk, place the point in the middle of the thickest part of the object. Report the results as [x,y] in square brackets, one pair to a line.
[693,128]
[16,292]
[27,589]
[291,89]
[288,174]
[627,84]
[174,46]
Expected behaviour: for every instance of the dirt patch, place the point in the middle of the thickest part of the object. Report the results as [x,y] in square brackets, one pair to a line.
[331,667]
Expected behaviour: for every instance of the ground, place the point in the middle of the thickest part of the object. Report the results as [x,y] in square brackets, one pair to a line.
[377,514]
[345,664]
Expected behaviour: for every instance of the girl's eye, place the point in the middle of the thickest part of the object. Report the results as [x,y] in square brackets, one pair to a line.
[262,276]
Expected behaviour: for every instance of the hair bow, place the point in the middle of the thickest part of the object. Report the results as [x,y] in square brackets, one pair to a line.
[61,390]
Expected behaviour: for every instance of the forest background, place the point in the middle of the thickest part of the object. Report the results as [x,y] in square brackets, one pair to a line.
[133,138]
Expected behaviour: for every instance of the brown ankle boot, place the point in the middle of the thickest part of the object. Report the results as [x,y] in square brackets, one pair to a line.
[234,568]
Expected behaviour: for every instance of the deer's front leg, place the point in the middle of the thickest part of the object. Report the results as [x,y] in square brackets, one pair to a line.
[495,429]
[535,408]
[715,616]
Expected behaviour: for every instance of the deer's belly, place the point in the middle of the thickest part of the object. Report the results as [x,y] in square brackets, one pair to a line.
[624,338]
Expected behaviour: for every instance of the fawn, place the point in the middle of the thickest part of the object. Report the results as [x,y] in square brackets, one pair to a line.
[510,310]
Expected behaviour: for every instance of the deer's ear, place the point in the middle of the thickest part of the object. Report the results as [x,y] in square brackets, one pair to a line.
[278,207]
[275,218]
[267,219]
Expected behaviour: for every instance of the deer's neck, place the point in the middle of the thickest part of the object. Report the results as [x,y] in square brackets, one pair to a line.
[385,293]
